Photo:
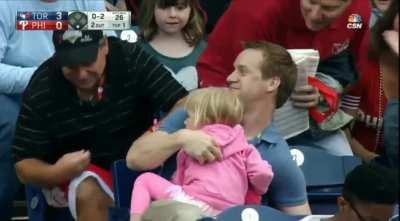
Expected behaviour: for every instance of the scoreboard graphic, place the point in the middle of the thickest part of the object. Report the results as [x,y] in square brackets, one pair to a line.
[73,20]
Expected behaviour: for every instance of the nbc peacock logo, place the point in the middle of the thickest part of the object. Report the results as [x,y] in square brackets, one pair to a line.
[354,22]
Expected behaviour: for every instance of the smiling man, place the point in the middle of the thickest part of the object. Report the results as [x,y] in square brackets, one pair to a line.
[264,76]
[293,24]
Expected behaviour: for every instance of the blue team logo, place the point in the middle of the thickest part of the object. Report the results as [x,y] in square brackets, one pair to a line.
[354,22]
[25,15]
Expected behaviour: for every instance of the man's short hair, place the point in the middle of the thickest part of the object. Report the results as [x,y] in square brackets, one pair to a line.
[370,183]
[277,62]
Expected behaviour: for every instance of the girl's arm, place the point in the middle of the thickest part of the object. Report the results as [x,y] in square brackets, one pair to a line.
[259,171]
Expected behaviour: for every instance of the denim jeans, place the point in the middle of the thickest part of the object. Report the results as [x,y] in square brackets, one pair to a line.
[9,109]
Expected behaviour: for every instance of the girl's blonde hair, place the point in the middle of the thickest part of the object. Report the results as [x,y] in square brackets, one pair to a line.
[214,105]
[193,32]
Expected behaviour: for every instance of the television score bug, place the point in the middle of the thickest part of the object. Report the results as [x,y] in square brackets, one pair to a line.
[73,20]
[112,20]
[41,20]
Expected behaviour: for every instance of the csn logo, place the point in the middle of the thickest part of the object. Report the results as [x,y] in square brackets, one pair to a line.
[354,22]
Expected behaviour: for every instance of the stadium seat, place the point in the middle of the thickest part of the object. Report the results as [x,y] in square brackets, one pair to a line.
[325,175]
[123,179]
[251,212]
[118,214]
[396,214]
[39,210]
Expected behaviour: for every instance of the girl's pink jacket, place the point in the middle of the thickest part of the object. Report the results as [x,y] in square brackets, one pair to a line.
[223,184]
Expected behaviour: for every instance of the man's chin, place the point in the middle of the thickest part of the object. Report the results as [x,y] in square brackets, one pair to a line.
[234,90]
[314,27]
[86,87]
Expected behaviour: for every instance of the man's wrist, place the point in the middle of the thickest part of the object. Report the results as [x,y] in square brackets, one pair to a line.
[180,137]
[57,174]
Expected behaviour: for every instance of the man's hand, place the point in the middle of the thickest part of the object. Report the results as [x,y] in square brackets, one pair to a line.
[305,97]
[392,39]
[73,164]
[200,146]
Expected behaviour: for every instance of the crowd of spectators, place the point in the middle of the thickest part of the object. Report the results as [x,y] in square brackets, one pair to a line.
[73,102]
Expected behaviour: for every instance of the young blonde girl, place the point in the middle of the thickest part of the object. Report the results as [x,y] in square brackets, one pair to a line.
[173,31]
[215,186]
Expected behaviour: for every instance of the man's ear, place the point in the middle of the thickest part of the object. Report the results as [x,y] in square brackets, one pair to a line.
[342,203]
[273,83]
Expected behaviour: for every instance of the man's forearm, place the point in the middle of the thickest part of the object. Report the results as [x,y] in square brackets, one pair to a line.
[299,210]
[360,151]
[37,172]
[151,150]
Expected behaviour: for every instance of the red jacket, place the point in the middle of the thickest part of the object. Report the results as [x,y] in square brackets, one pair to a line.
[277,21]
[367,96]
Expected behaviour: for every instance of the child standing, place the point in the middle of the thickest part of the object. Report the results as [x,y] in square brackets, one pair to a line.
[173,31]
[215,186]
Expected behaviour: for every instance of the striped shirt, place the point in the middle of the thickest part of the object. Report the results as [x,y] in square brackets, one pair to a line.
[53,121]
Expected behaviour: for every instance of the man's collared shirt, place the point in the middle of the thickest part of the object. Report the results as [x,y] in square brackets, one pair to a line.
[53,121]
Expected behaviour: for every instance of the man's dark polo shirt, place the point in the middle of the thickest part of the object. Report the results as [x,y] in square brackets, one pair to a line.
[53,121]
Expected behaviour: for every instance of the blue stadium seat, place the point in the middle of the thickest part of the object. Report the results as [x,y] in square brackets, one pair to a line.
[264,213]
[39,210]
[325,175]
[123,179]
[396,214]
[118,214]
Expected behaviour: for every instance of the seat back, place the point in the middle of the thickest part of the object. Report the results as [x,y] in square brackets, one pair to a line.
[39,210]
[262,212]
[123,180]
[322,169]
[324,174]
